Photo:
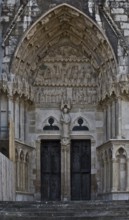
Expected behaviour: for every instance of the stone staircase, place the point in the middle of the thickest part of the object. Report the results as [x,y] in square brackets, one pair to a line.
[88,210]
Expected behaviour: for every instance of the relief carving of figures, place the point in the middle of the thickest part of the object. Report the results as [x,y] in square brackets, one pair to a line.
[47,75]
[84,95]
[65,121]
[65,74]
[51,94]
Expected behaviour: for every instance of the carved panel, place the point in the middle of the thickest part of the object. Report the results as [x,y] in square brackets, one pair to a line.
[77,95]
[65,74]
[86,95]
[51,94]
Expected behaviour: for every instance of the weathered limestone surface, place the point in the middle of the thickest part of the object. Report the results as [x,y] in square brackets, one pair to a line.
[7,179]
[71,52]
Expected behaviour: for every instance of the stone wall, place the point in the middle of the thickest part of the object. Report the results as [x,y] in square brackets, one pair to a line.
[7,179]
[106,116]
[112,16]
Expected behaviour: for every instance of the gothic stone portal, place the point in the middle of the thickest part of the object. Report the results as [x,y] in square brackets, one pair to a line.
[51,159]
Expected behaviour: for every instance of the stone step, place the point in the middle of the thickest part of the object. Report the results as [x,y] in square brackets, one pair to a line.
[88,210]
[64,218]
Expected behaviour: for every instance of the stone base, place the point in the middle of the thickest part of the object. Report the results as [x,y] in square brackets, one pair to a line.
[24,196]
[114,196]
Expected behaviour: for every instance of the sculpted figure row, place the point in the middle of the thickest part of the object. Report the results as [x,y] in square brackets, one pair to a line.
[56,94]
[66,74]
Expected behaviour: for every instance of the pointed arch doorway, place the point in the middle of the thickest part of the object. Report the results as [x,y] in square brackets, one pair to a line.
[64,55]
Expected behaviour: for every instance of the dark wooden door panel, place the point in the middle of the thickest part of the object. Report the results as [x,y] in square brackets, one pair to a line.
[50,170]
[80,169]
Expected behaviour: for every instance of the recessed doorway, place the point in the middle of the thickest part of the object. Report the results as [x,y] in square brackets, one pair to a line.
[50,170]
[80,170]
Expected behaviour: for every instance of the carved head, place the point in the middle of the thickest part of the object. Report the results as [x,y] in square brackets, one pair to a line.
[65,109]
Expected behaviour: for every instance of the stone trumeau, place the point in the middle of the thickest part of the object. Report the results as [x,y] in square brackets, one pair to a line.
[64,88]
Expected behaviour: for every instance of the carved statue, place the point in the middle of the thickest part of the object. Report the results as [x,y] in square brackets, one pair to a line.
[65,121]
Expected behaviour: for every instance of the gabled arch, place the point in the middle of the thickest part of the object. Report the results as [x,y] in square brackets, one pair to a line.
[64,25]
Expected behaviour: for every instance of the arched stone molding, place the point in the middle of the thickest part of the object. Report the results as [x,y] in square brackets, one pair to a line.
[116,151]
[47,123]
[76,123]
[22,160]
[22,172]
[72,32]
[121,157]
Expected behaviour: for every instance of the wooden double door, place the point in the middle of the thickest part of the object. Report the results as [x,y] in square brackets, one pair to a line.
[51,170]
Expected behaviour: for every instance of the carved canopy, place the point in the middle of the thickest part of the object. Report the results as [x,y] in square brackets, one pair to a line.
[65,48]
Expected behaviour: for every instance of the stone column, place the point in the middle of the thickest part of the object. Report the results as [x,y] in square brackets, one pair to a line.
[22,119]
[18,171]
[109,132]
[17,118]
[25,121]
[119,120]
[24,172]
[102,178]
[127,185]
[65,153]
[65,171]
[10,106]
[113,120]
[11,129]
[105,176]
[109,175]
[115,175]
[37,182]
[105,127]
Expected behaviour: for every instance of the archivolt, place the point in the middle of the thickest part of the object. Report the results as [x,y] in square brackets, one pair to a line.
[50,29]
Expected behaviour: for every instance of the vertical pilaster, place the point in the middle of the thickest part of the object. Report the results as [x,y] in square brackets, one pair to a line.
[127,184]
[119,118]
[105,125]
[22,119]
[108,175]
[102,174]
[65,172]
[18,171]
[113,120]
[115,175]
[24,173]
[11,129]
[109,121]
[38,171]
[10,106]
[105,175]
[25,121]
[17,118]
